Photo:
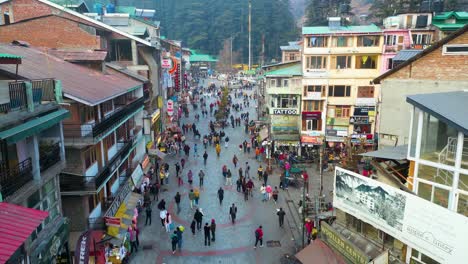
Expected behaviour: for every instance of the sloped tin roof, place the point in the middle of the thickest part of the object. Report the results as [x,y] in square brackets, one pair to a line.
[341,30]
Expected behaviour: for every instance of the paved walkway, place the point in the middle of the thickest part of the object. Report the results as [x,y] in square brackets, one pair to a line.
[234,243]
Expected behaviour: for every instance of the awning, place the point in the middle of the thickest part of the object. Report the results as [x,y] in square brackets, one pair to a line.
[33,126]
[16,225]
[392,153]
[319,253]
[157,153]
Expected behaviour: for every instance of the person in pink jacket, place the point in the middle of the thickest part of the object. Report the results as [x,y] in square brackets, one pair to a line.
[269,191]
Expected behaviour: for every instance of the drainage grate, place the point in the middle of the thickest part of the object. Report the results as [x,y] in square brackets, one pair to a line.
[147,247]
[273,243]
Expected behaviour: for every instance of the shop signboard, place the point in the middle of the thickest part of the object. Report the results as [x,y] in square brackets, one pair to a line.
[313,140]
[429,228]
[82,248]
[335,240]
[332,132]
[359,120]
[112,221]
[166,63]
[312,115]
[364,111]
[285,111]
[170,107]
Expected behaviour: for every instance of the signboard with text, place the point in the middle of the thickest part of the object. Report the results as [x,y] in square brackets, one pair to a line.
[429,228]
[166,63]
[279,111]
[340,244]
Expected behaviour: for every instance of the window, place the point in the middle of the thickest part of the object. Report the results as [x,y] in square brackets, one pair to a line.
[286,101]
[109,141]
[456,49]
[390,40]
[366,62]
[316,62]
[339,91]
[90,156]
[87,114]
[342,41]
[421,39]
[6,18]
[339,111]
[315,124]
[272,82]
[365,92]
[341,62]
[368,41]
[313,105]
[285,83]
[292,56]
[106,107]
[317,42]
[314,89]
[389,64]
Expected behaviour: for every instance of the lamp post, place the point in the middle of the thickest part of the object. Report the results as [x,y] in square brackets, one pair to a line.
[322,149]
[250,35]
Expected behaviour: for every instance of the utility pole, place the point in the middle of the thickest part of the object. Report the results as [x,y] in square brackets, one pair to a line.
[250,35]
[181,73]
[231,52]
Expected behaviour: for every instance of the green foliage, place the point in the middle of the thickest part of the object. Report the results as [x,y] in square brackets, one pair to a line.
[204,25]
[221,114]
[317,11]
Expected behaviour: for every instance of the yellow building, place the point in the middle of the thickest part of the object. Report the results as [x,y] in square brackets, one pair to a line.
[338,64]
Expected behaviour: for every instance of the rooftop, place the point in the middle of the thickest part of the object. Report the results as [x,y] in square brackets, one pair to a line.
[341,30]
[79,55]
[404,55]
[79,83]
[447,107]
[293,45]
[201,57]
[294,70]
[451,14]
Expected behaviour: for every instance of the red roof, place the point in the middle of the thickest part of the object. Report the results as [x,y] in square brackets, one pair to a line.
[16,225]
[78,82]
[84,55]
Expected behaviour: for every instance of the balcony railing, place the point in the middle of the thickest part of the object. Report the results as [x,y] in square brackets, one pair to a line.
[13,178]
[99,129]
[17,98]
[49,155]
[70,182]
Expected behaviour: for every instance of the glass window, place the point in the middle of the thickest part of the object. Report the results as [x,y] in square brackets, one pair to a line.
[34,199]
[285,83]
[425,191]
[272,83]
[339,91]
[316,62]
[438,141]
[366,62]
[318,42]
[90,156]
[314,124]
[414,132]
[286,101]
[342,41]
[48,187]
[368,41]
[434,174]
[462,207]
[464,163]
[463,182]
[441,197]
[313,105]
[341,62]
[390,40]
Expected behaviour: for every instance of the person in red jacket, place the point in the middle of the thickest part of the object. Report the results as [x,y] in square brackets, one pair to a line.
[259,236]
[305,176]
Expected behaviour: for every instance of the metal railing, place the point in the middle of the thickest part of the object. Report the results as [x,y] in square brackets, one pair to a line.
[13,178]
[42,90]
[18,96]
[447,155]
[70,182]
[49,155]
[118,199]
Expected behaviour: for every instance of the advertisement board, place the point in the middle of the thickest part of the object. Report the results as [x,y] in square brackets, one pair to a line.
[427,227]
[166,63]
[340,244]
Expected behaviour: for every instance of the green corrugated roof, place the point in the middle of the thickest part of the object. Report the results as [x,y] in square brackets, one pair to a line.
[447,15]
[295,70]
[344,29]
[126,9]
[9,56]
[202,57]
[443,26]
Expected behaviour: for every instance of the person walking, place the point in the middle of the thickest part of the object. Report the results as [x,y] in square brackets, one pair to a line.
[269,191]
[229,177]
[240,172]
[193,226]
[163,215]
[174,241]
[213,230]
[263,192]
[168,222]
[235,160]
[220,195]
[195,150]
[177,201]
[259,236]
[239,185]
[265,177]
[197,196]
[201,175]
[205,157]
[275,194]
[247,169]
[179,230]
[207,231]
[148,214]
[245,191]
[191,198]
[281,215]
[198,216]
[182,163]
[233,213]
[218,150]
[133,243]
[250,186]
[162,205]
[177,169]
[190,177]
[260,173]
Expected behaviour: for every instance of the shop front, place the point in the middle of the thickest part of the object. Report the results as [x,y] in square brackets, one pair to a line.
[362,119]
[54,248]
[310,145]
[153,125]
[285,132]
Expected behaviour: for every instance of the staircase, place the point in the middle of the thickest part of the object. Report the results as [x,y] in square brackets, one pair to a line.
[447,156]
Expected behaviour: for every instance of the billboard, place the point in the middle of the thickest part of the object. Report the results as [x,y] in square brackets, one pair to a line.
[429,228]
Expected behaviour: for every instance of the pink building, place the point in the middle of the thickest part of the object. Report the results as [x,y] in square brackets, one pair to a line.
[394,41]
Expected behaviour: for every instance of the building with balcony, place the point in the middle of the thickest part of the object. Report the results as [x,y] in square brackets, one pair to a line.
[32,154]
[446,23]
[102,136]
[338,64]
[283,104]
[442,67]
[291,52]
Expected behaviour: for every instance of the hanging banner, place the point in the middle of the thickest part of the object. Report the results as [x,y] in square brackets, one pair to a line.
[82,248]
[170,107]
[166,63]
[112,221]
[429,228]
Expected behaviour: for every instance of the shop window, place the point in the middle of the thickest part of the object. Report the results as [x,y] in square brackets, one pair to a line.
[316,62]
[314,124]
[365,92]
[90,156]
[368,41]
[341,62]
[317,42]
[366,62]
[342,41]
[339,91]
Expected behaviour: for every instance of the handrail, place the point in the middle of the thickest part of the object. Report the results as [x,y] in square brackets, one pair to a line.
[13,178]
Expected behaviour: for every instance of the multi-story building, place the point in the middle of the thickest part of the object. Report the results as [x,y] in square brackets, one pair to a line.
[32,155]
[283,104]
[405,31]
[102,137]
[338,64]
[442,67]
[447,23]
[291,52]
